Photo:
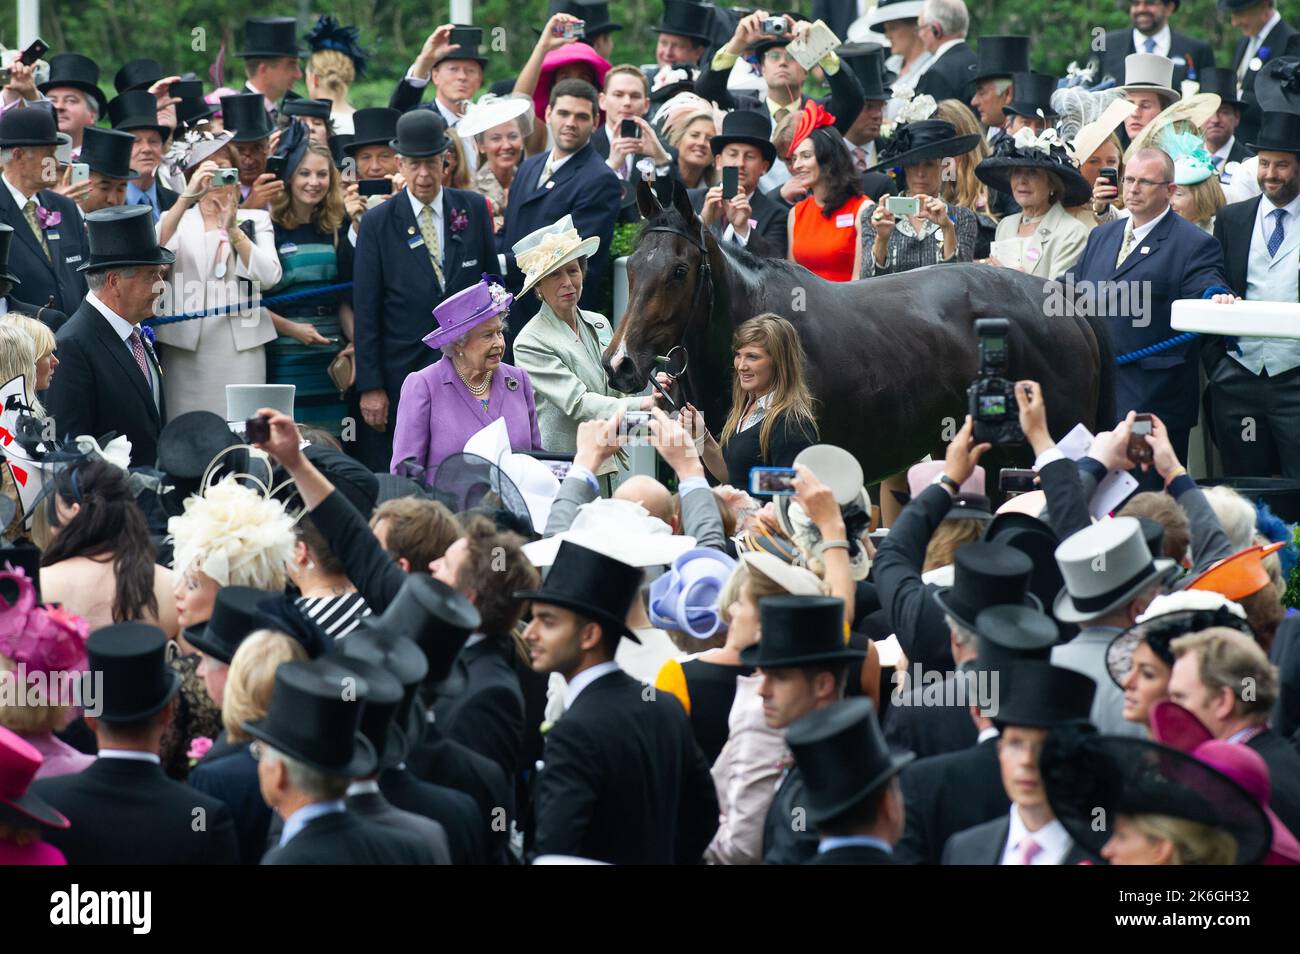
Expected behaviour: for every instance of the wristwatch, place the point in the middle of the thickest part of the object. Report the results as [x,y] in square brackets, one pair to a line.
[946,481]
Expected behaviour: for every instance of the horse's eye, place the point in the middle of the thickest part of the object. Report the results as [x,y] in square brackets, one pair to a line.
[679,272]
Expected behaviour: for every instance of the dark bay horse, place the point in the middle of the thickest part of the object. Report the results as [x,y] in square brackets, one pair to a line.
[889,358]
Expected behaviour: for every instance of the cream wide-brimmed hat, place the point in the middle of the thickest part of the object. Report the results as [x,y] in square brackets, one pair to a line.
[1091,136]
[542,252]
[1194,110]
[492,111]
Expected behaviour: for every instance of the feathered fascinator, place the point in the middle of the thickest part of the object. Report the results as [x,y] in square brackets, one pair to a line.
[237,535]
[811,118]
[292,146]
[42,638]
[329,34]
[196,144]
[1076,107]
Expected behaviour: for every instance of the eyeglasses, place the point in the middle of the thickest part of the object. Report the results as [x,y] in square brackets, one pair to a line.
[1130,182]
[776,56]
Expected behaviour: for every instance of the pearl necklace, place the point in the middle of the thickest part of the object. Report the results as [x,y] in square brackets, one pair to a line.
[479,391]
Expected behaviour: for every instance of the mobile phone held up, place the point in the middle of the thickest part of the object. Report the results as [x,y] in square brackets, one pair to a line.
[34,52]
[1139,451]
[628,129]
[369,187]
[1013,480]
[771,481]
[1110,174]
[730,182]
[80,173]
[902,205]
[257,429]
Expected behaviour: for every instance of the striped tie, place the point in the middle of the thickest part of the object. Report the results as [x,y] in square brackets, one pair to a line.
[1279,232]
[1127,246]
[29,212]
[137,349]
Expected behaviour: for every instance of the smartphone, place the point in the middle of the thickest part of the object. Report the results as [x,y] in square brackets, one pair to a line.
[34,52]
[225,177]
[368,187]
[257,429]
[636,427]
[80,173]
[903,205]
[1139,451]
[186,89]
[275,165]
[1014,480]
[570,31]
[771,481]
[628,129]
[1110,174]
[467,38]
[730,181]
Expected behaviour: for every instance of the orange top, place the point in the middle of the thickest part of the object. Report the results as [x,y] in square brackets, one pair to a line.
[826,245]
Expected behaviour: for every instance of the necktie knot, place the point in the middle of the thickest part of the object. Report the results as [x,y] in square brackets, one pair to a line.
[1279,230]
[1029,850]
[1150,44]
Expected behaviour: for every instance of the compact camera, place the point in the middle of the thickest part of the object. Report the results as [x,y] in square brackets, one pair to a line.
[775,26]
[225,177]
[992,396]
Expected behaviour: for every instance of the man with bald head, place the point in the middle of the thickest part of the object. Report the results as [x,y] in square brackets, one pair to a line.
[650,494]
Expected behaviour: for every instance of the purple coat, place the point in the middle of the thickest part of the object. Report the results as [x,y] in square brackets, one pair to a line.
[437,415]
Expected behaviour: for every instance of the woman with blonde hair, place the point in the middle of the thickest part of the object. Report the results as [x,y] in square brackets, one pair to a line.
[336,62]
[689,134]
[1198,197]
[229,771]
[961,186]
[21,353]
[43,339]
[772,415]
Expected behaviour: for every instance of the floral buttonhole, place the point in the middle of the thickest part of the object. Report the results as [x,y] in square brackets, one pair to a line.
[459,220]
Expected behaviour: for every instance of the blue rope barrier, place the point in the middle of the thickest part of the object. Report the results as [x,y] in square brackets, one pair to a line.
[265,302]
[1156,348]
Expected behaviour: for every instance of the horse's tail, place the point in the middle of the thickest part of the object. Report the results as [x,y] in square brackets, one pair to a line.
[1105,374]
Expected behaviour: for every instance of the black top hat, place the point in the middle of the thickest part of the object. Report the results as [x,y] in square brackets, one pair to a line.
[421,132]
[404,660]
[867,60]
[684,18]
[984,575]
[192,110]
[138,74]
[998,57]
[1222,82]
[1159,631]
[245,114]
[74,71]
[1037,541]
[137,680]
[318,108]
[375,126]
[466,51]
[233,618]
[1031,94]
[843,756]
[746,126]
[31,126]
[921,140]
[315,718]
[592,584]
[379,715]
[1279,132]
[108,152]
[123,236]
[188,444]
[1083,773]
[270,37]
[6,236]
[135,109]
[995,171]
[1010,634]
[1036,693]
[800,631]
[431,614]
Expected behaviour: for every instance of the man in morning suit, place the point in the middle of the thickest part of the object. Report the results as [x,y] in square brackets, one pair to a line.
[624,780]
[570,178]
[942,28]
[308,748]
[109,377]
[1264,35]
[8,301]
[1037,698]
[750,220]
[51,242]
[455,71]
[413,251]
[854,797]
[1220,130]
[1134,269]
[1150,33]
[136,113]
[1254,383]
[123,809]
[805,667]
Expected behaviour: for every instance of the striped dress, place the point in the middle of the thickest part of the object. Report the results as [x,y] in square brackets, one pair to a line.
[310,259]
[336,615]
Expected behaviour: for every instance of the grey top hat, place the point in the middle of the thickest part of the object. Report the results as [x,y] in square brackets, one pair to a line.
[1150,72]
[243,400]
[1104,566]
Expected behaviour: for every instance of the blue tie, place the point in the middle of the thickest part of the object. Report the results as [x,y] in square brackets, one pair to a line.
[1150,44]
[1279,232]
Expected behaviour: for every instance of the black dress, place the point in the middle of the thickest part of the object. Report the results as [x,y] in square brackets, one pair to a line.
[711,688]
[742,452]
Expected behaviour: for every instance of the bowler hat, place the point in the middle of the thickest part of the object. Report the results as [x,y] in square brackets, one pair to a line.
[1104,566]
[800,631]
[75,71]
[431,614]
[998,57]
[867,60]
[245,114]
[379,715]
[121,237]
[315,718]
[270,37]
[1036,693]
[1031,95]
[684,18]
[108,152]
[138,74]
[375,126]
[19,806]
[420,132]
[1278,132]
[843,756]
[404,660]
[233,618]
[747,127]
[137,680]
[135,109]
[1009,634]
[32,126]
[984,575]
[6,236]
[591,584]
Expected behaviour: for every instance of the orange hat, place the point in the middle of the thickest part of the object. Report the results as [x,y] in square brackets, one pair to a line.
[1239,575]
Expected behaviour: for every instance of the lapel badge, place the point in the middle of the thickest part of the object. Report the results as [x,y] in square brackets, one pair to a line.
[1146,249]
[550,184]
[410,230]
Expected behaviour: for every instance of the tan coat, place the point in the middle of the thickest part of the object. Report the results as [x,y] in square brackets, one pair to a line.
[1055,245]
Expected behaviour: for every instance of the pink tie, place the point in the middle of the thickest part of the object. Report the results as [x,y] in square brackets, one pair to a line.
[1029,850]
[137,349]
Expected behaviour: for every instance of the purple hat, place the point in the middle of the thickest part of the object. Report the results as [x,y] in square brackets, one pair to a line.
[466,310]
[686,597]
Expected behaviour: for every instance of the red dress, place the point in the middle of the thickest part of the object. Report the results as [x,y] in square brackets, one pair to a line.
[824,245]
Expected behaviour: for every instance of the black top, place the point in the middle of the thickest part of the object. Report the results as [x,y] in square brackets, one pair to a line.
[711,688]
[742,451]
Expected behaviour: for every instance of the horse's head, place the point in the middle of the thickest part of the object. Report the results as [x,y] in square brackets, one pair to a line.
[669,288]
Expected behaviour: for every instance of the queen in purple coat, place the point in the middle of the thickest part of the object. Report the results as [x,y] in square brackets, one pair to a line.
[447,403]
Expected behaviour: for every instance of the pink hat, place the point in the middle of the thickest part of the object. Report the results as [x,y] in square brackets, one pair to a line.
[1177,726]
[19,762]
[42,638]
[567,56]
[1248,769]
[920,475]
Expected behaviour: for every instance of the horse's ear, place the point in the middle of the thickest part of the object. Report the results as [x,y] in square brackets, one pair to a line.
[682,201]
[647,202]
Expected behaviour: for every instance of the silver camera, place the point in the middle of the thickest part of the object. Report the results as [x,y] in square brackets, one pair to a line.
[775,26]
[225,177]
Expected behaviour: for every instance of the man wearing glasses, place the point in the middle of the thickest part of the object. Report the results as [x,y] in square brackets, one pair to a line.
[1131,272]
[1150,33]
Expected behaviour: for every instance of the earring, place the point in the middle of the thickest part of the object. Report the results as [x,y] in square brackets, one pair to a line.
[311,565]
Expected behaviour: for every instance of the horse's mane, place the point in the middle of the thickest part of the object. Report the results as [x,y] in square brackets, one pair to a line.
[754,263]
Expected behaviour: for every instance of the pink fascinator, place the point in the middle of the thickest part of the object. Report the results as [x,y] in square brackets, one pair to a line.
[43,638]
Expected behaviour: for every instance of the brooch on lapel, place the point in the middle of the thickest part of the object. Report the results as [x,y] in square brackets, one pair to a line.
[512,384]
[459,220]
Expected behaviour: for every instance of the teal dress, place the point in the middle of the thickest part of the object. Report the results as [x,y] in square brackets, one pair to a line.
[311,259]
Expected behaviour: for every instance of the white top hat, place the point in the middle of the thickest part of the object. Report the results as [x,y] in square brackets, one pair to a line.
[1150,72]
[620,529]
[542,252]
[244,400]
[1104,566]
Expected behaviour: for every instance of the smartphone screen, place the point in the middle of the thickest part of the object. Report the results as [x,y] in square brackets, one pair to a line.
[628,129]
[730,182]
[771,481]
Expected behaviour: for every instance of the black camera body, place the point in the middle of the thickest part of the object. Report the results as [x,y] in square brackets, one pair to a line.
[991,398]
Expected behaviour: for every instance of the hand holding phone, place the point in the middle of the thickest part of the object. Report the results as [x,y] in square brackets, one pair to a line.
[257,430]
[730,182]
[903,204]
[1139,451]
[80,173]
[34,52]
[628,129]
[771,481]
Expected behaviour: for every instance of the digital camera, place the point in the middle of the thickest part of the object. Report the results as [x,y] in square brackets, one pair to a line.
[774,26]
[991,397]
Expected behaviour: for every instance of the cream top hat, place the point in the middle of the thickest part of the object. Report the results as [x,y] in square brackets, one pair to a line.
[1150,72]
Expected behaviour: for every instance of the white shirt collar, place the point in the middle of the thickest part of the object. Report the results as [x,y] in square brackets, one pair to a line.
[1226,148]
[20,200]
[1164,40]
[985,734]
[130,756]
[1142,231]
[367,786]
[585,678]
[300,819]
[1052,838]
[945,46]
[417,206]
[1265,213]
[120,325]
[452,117]
[1273,21]
[556,163]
